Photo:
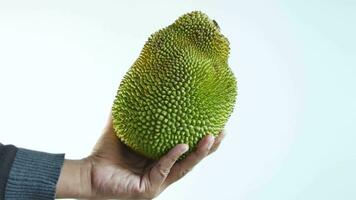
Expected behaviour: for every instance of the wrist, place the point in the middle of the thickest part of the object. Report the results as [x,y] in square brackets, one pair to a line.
[74,180]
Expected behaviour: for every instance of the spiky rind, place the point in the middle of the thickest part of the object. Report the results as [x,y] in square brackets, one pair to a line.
[178,90]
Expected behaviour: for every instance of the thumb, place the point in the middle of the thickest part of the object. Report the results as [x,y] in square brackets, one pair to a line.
[161,169]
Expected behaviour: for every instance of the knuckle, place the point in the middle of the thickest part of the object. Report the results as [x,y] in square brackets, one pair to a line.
[172,160]
[218,140]
[138,191]
[184,172]
[162,170]
[213,149]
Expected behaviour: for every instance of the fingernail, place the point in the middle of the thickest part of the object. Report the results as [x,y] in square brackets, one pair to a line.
[210,141]
[184,148]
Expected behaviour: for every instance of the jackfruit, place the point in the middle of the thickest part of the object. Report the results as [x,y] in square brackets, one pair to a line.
[178,90]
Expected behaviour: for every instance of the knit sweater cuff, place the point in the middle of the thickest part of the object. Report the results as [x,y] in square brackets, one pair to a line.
[33,175]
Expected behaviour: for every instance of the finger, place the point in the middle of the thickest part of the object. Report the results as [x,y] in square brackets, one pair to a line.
[161,169]
[217,142]
[186,165]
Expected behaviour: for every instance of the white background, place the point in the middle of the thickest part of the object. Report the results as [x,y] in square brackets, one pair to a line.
[291,136]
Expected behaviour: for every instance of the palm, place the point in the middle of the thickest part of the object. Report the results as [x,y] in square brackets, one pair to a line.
[119,172]
[117,168]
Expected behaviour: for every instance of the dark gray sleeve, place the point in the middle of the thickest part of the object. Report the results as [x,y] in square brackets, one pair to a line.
[7,156]
[33,175]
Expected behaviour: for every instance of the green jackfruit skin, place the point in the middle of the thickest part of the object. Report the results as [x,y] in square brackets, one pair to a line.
[178,90]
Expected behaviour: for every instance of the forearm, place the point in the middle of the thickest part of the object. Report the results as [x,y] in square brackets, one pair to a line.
[7,156]
[74,180]
[33,175]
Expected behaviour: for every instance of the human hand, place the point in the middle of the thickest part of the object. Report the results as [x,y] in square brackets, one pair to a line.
[114,171]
